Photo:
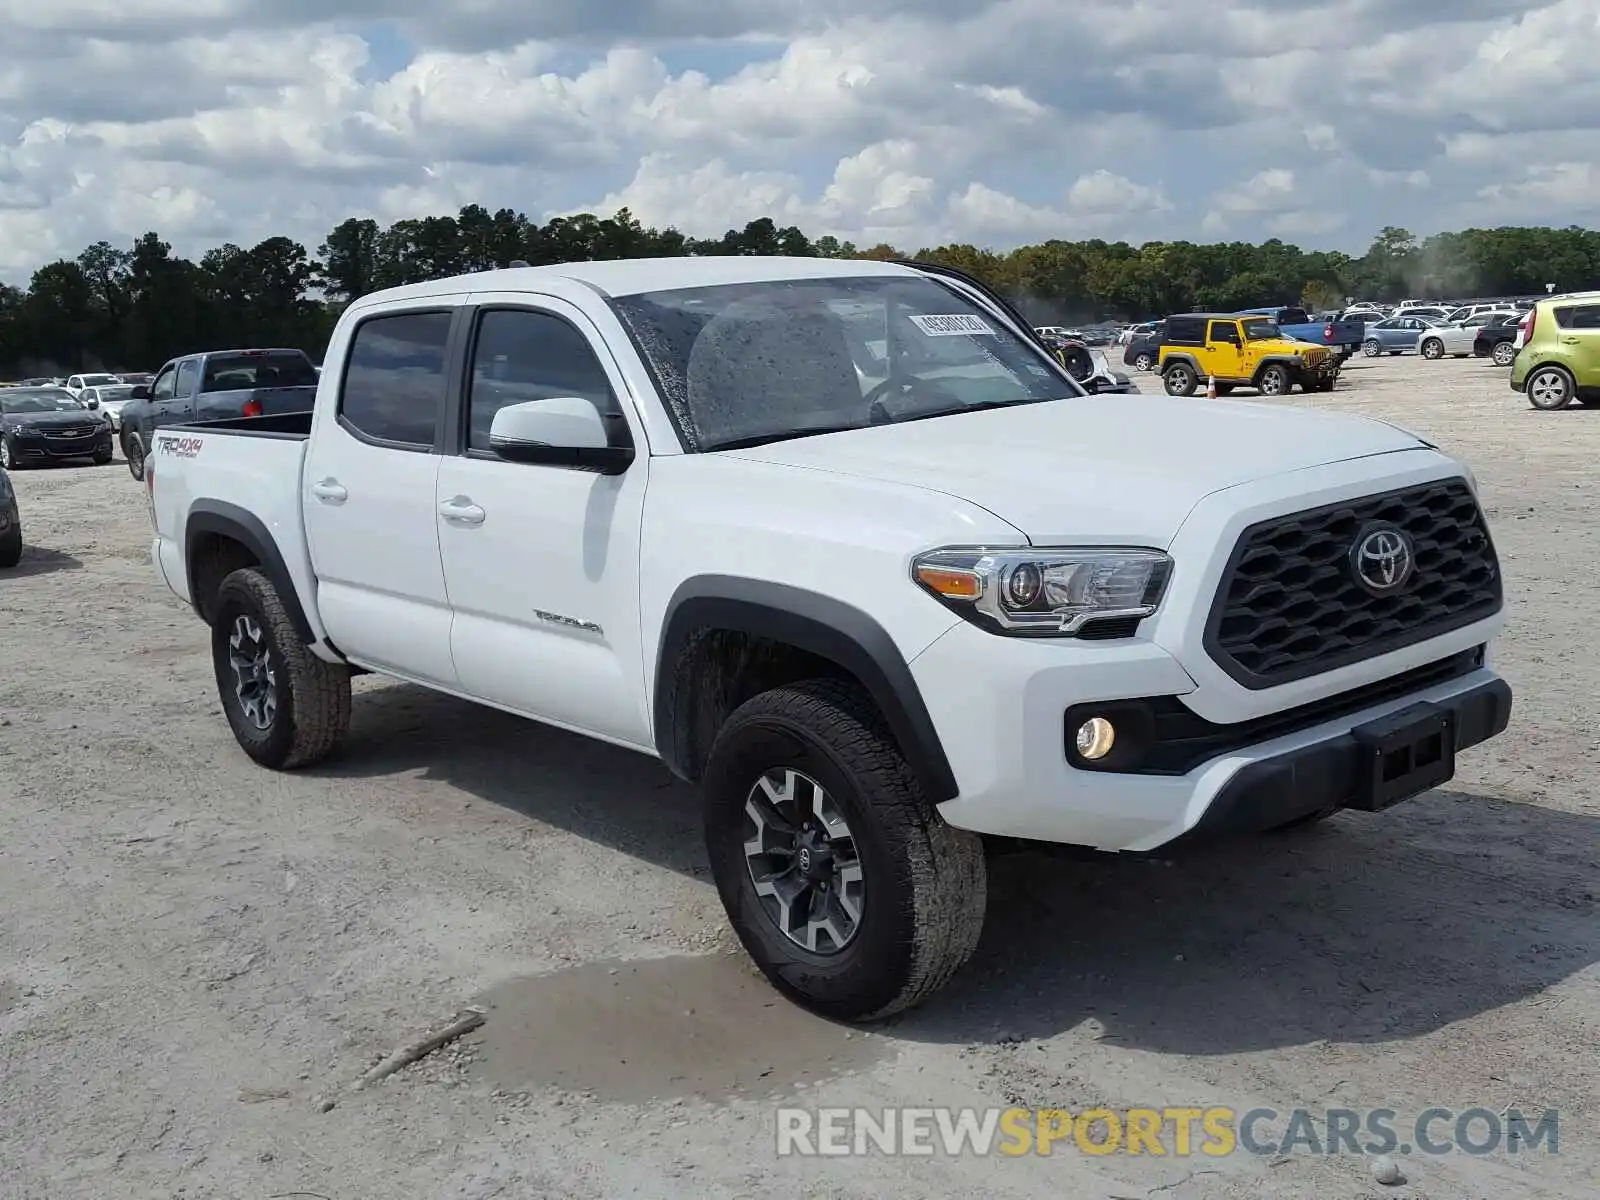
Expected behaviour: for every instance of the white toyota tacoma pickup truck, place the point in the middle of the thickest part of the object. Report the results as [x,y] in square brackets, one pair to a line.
[843,544]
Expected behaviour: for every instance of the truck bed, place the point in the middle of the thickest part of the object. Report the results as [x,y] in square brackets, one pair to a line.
[240,468]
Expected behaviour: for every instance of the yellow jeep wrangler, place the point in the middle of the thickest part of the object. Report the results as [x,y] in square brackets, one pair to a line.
[1240,351]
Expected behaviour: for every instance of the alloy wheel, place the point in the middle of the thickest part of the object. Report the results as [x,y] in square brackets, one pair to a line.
[802,861]
[255,683]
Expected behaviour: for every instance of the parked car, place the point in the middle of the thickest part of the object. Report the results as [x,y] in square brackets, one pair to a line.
[1238,352]
[10,523]
[108,400]
[1143,349]
[1342,336]
[681,506]
[1396,335]
[1559,359]
[41,425]
[1497,339]
[77,383]
[1456,338]
[215,385]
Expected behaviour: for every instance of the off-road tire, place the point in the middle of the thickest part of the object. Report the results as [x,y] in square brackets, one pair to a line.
[11,547]
[1180,379]
[133,451]
[1550,401]
[313,709]
[1433,349]
[101,458]
[924,882]
[1275,380]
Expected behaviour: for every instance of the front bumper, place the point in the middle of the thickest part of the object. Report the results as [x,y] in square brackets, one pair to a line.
[53,449]
[1000,706]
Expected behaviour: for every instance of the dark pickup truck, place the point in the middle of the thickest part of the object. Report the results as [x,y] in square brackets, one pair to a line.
[1343,337]
[216,385]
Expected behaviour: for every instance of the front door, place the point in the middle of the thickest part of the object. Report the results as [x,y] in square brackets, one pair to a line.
[1224,355]
[542,562]
[369,480]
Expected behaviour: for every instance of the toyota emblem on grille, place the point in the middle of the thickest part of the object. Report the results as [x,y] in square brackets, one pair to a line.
[1383,559]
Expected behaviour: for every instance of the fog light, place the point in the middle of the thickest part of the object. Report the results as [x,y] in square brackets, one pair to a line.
[1095,738]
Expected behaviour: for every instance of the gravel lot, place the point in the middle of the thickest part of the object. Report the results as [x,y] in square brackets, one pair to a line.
[194,953]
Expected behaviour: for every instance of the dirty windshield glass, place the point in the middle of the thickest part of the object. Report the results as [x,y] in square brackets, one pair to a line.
[742,364]
[1260,331]
[38,402]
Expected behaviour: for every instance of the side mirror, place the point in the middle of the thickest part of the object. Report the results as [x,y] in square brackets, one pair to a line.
[141,391]
[91,404]
[563,431]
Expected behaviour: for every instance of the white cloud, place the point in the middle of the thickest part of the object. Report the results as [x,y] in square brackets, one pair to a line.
[989,121]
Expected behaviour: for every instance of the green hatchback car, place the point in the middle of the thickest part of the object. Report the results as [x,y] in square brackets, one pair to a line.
[1558,355]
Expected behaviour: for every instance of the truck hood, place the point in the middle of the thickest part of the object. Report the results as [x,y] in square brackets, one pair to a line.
[1108,470]
[1286,345]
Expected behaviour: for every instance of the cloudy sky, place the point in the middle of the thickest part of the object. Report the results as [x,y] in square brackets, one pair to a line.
[909,121]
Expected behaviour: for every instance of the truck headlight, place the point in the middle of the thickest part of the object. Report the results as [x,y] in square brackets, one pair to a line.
[1046,592]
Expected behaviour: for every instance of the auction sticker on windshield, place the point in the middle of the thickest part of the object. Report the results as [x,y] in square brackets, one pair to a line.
[952,325]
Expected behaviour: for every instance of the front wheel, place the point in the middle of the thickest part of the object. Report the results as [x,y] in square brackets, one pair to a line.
[8,454]
[287,707]
[1275,381]
[846,888]
[102,457]
[133,451]
[1433,348]
[1371,348]
[1549,388]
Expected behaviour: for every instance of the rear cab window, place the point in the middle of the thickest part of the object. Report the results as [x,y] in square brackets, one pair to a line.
[265,369]
[393,389]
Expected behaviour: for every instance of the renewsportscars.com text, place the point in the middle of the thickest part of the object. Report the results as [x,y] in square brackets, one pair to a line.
[1161,1132]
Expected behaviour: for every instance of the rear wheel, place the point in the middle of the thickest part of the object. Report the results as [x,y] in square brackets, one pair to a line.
[1503,353]
[287,707]
[1549,388]
[1179,380]
[1371,348]
[844,885]
[133,451]
[1143,362]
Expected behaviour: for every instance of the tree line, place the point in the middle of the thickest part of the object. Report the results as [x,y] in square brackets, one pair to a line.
[132,308]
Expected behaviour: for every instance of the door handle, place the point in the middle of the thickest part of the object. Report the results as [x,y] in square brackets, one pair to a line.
[461,510]
[330,490]
[1569,341]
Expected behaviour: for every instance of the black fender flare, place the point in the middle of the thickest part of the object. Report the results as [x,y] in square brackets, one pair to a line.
[810,621]
[230,521]
[1172,360]
[1292,362]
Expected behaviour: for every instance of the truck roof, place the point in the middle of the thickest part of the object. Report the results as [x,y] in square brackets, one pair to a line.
[630,276]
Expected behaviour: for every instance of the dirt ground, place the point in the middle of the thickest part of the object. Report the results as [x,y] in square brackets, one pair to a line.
[197,955]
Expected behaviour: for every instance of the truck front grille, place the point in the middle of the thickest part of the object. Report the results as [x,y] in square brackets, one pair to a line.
[1291,605]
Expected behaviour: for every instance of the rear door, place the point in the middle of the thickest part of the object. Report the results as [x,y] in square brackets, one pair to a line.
[368,493]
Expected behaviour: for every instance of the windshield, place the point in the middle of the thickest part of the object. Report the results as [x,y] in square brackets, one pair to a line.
[742,364]
[97,380]
[37,402]
[285,368]
[1260,330]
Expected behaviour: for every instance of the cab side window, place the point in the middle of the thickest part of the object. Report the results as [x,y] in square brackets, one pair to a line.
[187,374]
[1225,331]
[394,381]
[163,386]
[521,355]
